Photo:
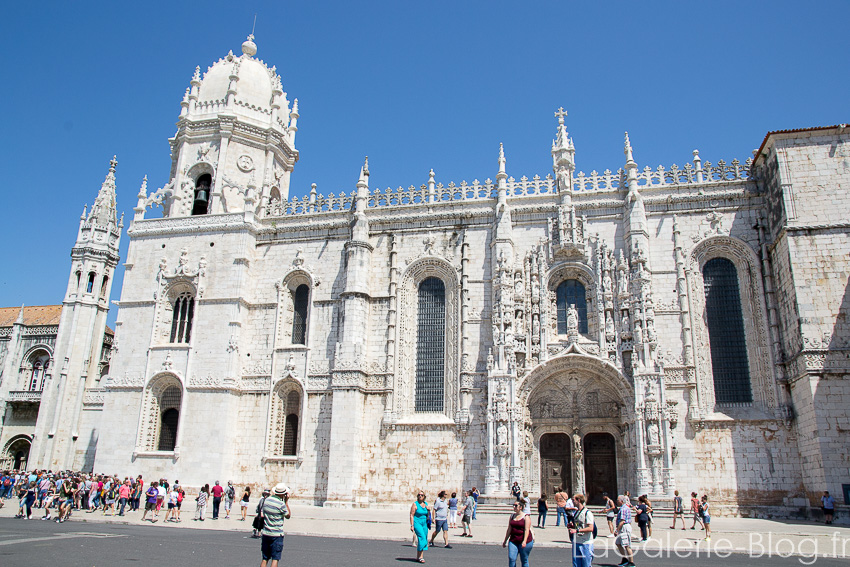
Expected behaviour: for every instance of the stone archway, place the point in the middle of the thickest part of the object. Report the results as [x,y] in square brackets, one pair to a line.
[17,453]
[584,402]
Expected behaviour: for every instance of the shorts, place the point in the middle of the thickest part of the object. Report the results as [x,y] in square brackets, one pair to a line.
[271,547]
[178,505]
[830,511]
[466,519]
[624,538]
[150,506]
[706,520]
[171,506]
[243,504]
[441,525]
[611,517]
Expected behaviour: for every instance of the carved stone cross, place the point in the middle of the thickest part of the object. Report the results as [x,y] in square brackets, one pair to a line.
[560,115]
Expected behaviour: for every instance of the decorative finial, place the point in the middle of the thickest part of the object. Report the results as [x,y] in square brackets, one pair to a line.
[295,107]
[249,48]
[560,115]
[197,75]
[143,190]
[112,163]
[502,159]
[628,150]
[366,165]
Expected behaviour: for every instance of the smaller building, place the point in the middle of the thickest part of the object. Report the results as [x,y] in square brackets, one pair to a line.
[27,346]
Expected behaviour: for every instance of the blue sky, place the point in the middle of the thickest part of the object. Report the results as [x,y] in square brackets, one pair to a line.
[412,85]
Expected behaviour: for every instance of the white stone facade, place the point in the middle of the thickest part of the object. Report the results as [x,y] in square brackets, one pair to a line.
[305,318]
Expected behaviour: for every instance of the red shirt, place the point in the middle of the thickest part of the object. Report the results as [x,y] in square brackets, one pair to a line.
[217,491]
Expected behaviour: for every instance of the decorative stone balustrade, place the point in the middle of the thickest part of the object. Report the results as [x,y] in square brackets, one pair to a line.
[698,173]
[25,396]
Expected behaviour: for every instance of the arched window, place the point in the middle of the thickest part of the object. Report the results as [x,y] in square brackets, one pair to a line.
[285,416]
[79,275]
[38,364]
[161,414]
[182,315]
[103,286]
[726,334]
[300,300]
[571,292]
[200,205]
[90,285]
[430,346]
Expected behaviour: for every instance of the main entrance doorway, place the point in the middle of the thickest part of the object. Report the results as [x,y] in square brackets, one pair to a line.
[600,467]
[555,463]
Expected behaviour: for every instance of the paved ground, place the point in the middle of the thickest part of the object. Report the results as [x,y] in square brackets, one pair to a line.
[85,544]
[392,528]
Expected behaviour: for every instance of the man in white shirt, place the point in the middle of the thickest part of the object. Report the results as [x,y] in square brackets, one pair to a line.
[582,533]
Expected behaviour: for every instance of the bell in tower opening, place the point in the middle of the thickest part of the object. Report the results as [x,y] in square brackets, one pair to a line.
[202,195]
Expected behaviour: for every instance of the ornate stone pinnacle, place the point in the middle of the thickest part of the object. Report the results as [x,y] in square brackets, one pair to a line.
[112,163]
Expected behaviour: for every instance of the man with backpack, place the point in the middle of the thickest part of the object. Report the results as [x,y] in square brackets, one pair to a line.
[583,529]
[229,496]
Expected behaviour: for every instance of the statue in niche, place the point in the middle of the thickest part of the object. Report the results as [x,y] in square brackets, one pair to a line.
[535,324]
[651,335]
[519,286]
[652,435]
[609,326]
[607,283]
[519,323]
[638,334]
[576,441]
[563,179]
[626,324]
[535,289]
[572,320]
[502,435]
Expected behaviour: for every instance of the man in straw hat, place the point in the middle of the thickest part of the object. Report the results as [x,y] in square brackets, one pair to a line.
[275,510]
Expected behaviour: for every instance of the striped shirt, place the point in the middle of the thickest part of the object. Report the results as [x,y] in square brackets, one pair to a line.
[274,511]
[624,515]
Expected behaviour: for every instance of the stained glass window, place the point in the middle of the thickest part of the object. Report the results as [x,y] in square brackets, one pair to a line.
[571,292]
[299,320]
[430,346]
[726,334]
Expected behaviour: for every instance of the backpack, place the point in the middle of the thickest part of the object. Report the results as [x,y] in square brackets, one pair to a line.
[231,493]
[594,523]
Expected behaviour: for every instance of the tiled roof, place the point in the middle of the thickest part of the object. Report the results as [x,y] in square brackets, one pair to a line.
[33,315]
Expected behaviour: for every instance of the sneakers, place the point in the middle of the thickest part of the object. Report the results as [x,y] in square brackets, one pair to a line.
[623,563]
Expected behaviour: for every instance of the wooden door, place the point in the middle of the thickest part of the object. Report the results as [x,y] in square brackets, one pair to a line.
[600,467]
[555,463]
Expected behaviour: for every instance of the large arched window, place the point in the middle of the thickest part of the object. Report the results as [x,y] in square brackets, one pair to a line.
[90,284]
[726,334]
[201,202]
[285,416]
[182,315]
[300,301]
[103,287]
[161,414]
[571,292]
[430,346]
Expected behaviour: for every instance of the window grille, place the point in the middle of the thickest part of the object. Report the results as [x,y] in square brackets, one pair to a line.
[299,320]
[571,292]
[431,346]
[290,435]
[169,405]
[726,334]
[182,315]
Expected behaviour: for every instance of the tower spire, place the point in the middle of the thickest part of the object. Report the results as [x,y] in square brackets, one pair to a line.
[103,211]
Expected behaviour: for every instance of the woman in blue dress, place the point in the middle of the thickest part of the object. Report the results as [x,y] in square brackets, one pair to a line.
[419,525]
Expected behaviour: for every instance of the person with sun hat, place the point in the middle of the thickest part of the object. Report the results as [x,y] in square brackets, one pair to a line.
[275,510]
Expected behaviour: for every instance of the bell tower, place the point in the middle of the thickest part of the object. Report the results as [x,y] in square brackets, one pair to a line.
[59,442]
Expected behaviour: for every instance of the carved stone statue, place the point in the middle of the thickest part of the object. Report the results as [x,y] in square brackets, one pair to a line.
[535,289]
[638,334]
[651,335]
[623,283]
[576,441]
[606,282]
[626,327]
[502,435]
[572,320]
[535,324]
[652,436]
[519,323]
[519,286]
[563,179]
[609,327]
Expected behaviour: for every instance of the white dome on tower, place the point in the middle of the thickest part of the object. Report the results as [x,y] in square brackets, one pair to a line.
[255,88]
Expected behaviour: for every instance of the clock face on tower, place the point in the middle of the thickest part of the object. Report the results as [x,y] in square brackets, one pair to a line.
[245,163]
